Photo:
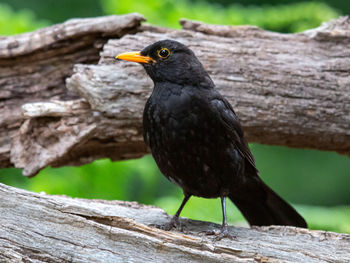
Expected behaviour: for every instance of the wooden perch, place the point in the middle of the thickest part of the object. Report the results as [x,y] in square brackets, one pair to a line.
[42,228]
[288,89]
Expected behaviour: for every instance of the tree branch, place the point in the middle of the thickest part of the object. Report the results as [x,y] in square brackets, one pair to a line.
[288,89]
[43,228]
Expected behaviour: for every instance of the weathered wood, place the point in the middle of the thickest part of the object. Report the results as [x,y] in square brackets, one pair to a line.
[288,89]
[43,228]
[33,67]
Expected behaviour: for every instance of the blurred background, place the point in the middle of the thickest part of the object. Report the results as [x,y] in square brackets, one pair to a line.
[316,183]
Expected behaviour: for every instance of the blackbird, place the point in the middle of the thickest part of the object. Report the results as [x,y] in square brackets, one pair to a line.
[197,141]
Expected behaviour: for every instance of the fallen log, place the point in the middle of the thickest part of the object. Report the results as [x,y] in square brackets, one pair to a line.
[43,228]
[287,89]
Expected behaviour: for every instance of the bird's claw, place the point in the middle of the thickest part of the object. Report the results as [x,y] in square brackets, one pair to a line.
[174,223]
[219,234]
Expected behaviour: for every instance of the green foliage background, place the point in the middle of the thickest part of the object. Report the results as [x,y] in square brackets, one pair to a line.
[317,182]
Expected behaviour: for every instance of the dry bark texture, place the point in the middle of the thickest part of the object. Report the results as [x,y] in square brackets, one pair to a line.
[288,89]
[34,67]
[42,228]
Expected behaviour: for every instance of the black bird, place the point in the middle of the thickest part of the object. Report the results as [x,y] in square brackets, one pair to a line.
[197,141]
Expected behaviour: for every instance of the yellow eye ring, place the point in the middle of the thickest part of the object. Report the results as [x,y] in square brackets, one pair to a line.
[163,53]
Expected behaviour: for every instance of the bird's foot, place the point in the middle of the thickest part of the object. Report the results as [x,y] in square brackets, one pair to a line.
[174,223]
[220,234]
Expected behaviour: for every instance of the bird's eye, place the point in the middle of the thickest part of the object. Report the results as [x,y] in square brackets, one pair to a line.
[163,53]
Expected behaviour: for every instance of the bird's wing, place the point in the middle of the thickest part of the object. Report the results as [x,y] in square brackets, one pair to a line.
[224,111]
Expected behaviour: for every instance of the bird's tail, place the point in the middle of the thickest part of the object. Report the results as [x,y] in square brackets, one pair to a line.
[261,206]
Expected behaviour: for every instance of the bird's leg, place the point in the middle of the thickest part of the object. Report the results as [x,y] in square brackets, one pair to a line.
[224,230]
[174,222]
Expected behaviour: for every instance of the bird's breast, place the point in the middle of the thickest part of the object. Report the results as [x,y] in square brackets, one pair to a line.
[173,118]
[186,142]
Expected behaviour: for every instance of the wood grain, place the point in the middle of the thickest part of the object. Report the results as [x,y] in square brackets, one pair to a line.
[43,228]
[287,89]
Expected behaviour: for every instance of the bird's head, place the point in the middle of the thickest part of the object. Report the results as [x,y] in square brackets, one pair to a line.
[170,61]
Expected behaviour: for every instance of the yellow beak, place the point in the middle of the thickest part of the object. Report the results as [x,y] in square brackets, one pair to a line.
[135,57]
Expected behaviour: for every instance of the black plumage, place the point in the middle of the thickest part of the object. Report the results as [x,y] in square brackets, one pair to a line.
[197,141]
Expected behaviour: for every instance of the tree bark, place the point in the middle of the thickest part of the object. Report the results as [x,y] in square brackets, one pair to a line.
[42,228]
[287,89]
[34,67]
